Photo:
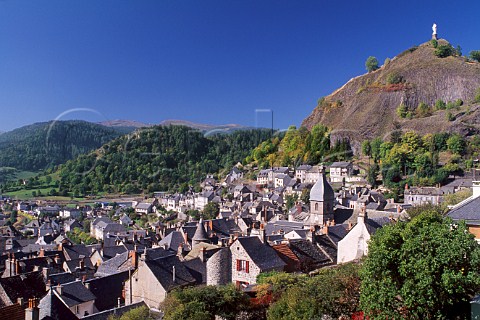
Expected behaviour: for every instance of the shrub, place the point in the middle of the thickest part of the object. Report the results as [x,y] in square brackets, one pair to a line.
[459,102]
[434,43]
[402,111]
[440,105]
[386,62]
[477,96]
[423,110]
[409,115]
[451,105]
[444,50]
[475,55]
[449,116]
[394,78]
[371,64]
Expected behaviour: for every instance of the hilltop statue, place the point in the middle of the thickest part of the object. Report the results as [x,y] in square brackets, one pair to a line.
[434,34]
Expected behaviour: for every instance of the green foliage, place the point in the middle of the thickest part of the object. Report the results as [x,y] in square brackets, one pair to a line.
[43,145]
[157,158]
[454,198]
[402,110]
[78,236]
[475,55]
[371,64]
[140,313]
[305,197]
[477,96]
[204,303]
[444,50]
[387,61]
[394,78]
[372,175]
[449,116]
[423,110]
[440,105]
[458,51]
[211,210]
[290,200]
[456,144]
[427,268]
[434,43]
[458,102]
[333,293]
[13,216]
[366,148]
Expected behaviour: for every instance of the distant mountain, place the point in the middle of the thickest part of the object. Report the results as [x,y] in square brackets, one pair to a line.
[366,106]
[47,144]
[125,123]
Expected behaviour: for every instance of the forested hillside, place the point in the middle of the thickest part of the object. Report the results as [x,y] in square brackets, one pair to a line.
[47,144]
[157,158]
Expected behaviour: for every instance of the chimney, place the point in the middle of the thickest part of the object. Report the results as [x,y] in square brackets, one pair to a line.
[133,258]
[263,234]
[476,189]
[350,225]
[119,302]
[210,224]
[20,301]
[185,237]
[87,285]
[325,229]
[41,253]
[81,264]
[399,209]
[202,254]
[58,288]
[32,312]
[57,259]
[173,273]
[46,272]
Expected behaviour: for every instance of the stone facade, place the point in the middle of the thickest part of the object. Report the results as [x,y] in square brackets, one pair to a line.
[219,268]
[246,275]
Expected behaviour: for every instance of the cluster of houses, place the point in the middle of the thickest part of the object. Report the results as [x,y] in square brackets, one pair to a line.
[47,276]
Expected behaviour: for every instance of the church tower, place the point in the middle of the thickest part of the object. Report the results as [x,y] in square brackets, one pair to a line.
[322,199]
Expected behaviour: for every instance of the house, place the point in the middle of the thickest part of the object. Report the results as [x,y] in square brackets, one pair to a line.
[469,211]
[25,286]
[74,295]
[203,198]
[70,213]
[301,172]
[144,208]
[355,243]
[340,171]
[234,175]
[101,227]
[421,195]
[71,224]
[154,278]
[250,257]
[313,174]
[282,180]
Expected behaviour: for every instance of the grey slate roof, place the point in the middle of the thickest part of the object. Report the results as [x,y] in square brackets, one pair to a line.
[117,264]
[469,211]
[322,190]
[52,308]
[75,293]
[107,290]
[262,255]
[172,241]
[114,311]
[163,270]
[200,232]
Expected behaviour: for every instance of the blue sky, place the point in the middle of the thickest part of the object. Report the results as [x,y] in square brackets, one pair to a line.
[209,61]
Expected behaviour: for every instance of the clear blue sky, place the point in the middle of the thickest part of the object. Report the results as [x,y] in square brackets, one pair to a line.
[205,61]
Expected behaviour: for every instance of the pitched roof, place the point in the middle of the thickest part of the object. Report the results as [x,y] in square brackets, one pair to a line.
[75,293]
[261,254]
[172,241]
[322,190]
[107,290]
[468,211]
[117,264]
[200,232]
[27,285]
[52,308]
[163,269]
[104,315]
[307,252]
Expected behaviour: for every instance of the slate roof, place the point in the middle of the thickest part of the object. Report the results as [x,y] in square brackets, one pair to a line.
[76,252]
[107,290]
[27,285]
[337,232]
[172,241]
[61,278]
[75,293]
[110,252]
[163,270]
[261,254]
[374,224]
[284,225]
[340,164]
[117,264]
[52,308]
[309,254]
[468,211]
[322,190]
[104,315]
[200,232]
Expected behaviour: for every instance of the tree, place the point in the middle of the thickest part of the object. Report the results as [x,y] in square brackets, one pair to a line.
[332,294]
[366,148]
[372,175]
[456,144]
[402,110]
[371,64]
[423,110]
[211,210]
[444,50]
[440,105]
[475,55]
[139,313]
[427,268]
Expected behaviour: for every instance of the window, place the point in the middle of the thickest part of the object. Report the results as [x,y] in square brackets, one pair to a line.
[243,265]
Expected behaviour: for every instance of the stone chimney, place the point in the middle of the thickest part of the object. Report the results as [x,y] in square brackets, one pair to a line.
[202,255]
[325,229]
[133,256]
[32,312]
[81,264]
[263,234]
[476,189]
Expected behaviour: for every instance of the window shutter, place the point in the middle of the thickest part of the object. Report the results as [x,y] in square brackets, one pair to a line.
[247,267]
[238,265]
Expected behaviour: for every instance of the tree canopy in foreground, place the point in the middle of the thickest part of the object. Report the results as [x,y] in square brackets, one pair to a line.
[428,268]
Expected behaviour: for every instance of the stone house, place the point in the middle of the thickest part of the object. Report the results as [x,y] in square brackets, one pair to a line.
[422,195]
[250,257]
[301,172]
[340,170]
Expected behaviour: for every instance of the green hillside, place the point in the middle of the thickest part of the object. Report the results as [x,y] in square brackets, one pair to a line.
[47,144]
[157,158]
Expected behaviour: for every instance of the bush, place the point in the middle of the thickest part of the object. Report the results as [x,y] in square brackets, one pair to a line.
[449,116]
[444,50]
[440,105]
[402,111]
[477,96]
[386,62]
[434,43]
[371,64]
[475,55]
[459,102]
[450,105]
[423,110]
[394,78]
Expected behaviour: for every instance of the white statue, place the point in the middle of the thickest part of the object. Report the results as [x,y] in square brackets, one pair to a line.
[434,28]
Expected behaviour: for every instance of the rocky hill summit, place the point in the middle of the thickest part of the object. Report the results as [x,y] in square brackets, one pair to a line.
[366,106]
